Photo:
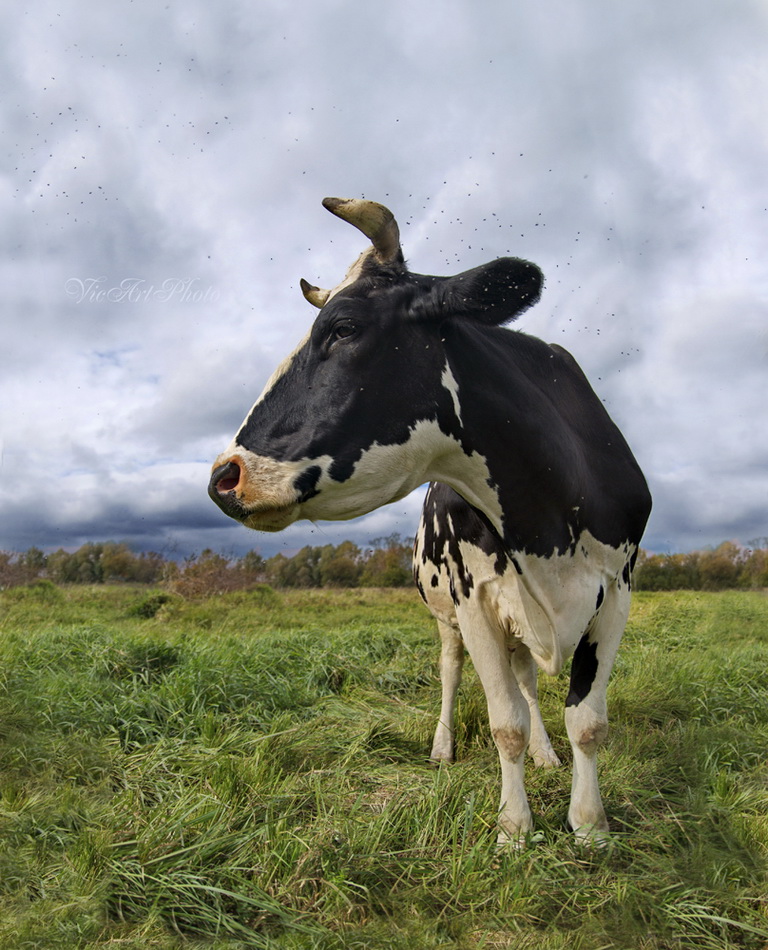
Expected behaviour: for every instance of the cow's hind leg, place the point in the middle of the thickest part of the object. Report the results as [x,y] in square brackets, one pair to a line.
[586,713]
[451,665]
[526,672]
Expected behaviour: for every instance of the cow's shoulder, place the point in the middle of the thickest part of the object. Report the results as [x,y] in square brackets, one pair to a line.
[456,553]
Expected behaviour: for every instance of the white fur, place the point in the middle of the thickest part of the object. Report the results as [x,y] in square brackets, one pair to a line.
[449,382]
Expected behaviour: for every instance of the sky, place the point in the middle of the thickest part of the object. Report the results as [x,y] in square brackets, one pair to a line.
[161,173]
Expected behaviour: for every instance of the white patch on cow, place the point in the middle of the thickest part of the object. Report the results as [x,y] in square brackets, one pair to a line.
[353,273]
[549,605]
[449,382]
[383,474]
[386,473]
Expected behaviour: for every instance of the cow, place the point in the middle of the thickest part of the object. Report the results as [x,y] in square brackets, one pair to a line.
[536,506]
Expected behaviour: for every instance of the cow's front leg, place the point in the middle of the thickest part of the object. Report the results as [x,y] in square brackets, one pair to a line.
[451,665]
[586,714]
[509,719]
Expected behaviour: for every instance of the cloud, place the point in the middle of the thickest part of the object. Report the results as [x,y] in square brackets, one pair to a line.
[622,148]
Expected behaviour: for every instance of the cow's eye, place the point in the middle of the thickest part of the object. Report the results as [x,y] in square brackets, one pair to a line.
[342,330]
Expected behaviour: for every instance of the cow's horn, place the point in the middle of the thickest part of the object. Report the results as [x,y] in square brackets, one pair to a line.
[375,221]
[314,295]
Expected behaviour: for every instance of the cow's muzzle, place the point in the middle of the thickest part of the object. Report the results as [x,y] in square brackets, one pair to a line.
[259,492]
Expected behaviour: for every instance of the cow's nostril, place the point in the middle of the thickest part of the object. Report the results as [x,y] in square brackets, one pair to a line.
[227,477]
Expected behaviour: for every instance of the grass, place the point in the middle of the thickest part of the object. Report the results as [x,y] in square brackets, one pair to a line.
[250,771]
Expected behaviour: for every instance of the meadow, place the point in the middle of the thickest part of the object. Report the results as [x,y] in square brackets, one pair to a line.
[250,770]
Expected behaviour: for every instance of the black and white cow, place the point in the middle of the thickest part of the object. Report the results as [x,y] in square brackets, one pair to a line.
[531,526]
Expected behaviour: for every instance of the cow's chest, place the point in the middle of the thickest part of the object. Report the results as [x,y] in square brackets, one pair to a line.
[546,602]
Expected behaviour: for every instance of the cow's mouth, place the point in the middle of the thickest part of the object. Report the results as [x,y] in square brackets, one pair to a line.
[272,519]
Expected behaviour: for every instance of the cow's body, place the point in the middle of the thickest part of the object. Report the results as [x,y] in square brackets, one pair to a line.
[527,539]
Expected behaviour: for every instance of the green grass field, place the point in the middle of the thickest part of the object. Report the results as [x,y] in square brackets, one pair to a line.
[250,771]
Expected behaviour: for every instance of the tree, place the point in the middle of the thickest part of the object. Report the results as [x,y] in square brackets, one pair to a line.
[720,569]
[11,572]
[252,567]
[754,568]
[388,563]
[34,561]
[62,567]
[203,574]
[17,569]
[340,566]
[150,567]
[117,563]
[301,570]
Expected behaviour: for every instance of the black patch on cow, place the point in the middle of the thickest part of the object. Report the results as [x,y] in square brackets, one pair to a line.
[452,591]
[420,589]
[583,671]
[627,574]
[492,293]
[557,461]
[447,521]
[516,564]
[306,483]
[435,580]
[600,598]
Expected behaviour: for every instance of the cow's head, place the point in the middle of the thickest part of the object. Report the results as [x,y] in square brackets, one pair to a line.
[361,412]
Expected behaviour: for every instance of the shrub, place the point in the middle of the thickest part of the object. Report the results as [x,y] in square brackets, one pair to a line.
[210,573]
[148,607]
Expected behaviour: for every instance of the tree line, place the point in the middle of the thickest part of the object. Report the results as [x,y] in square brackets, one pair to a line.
[385,562]
[729,566]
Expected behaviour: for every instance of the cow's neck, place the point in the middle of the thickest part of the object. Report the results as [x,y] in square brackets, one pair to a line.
[467,473]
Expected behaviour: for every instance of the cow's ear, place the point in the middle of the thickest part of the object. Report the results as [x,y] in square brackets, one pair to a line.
[494,293]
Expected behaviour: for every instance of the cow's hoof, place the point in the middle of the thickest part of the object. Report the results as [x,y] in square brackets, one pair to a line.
[545,758]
